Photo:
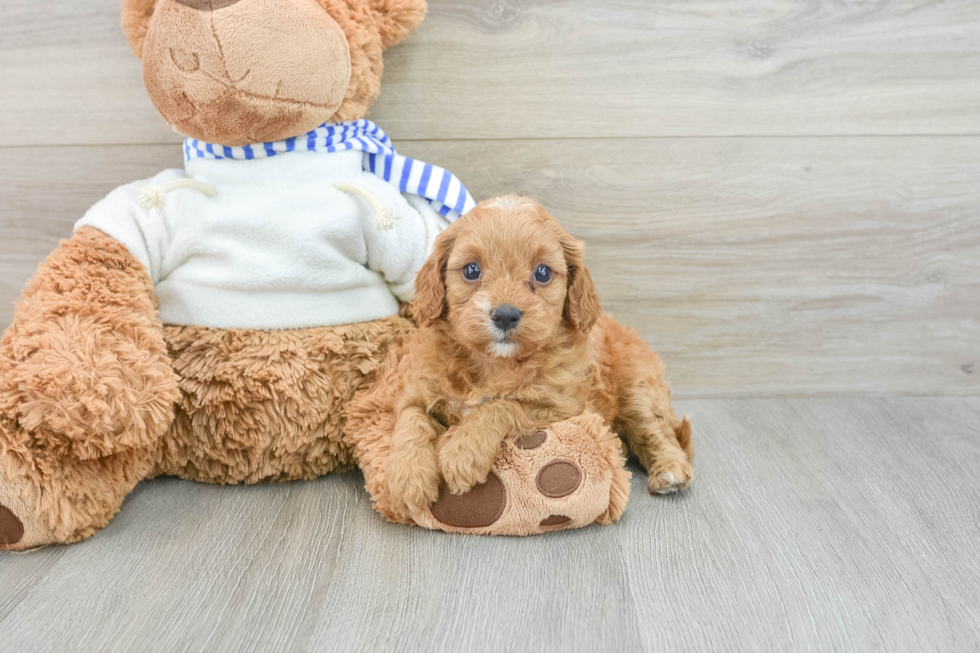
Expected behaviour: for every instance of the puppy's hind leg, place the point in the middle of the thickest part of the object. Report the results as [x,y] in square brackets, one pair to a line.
[661,442]
[645,417]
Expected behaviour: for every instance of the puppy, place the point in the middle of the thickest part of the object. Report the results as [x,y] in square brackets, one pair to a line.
[512,338]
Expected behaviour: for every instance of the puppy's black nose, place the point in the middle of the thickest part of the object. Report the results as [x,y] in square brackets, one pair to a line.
[505,317]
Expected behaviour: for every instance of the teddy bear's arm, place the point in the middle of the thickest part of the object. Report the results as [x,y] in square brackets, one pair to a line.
[84,366]
[142,230]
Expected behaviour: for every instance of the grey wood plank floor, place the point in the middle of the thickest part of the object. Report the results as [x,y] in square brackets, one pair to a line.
[814,524]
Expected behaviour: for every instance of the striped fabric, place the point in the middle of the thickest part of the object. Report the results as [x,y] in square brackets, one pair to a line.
[438,186]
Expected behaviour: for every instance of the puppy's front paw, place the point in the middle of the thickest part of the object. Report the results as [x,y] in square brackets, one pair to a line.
[412,483]
[670,477]
[463,464]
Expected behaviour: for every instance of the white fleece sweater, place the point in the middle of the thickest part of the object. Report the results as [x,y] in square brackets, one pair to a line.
[278,247]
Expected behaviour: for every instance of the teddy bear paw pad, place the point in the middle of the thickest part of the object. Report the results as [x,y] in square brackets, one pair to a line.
[480,507]
[555,520]
[559,479]
[531,440]
[11,528]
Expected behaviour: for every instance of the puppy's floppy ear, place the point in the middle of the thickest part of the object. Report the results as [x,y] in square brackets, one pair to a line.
[582,306]
[136,16]
[430,283]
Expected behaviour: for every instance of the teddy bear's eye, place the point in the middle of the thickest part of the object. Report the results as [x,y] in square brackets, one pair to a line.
[542,274]
[472,271]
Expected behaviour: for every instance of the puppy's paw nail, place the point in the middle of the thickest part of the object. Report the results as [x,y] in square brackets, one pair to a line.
[667,484]
[671,481]
[463,487]
[454,484]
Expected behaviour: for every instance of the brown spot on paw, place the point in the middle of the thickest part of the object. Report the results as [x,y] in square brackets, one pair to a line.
[480,507]
[559,479]
[555,520]
[11,529]
[532,440]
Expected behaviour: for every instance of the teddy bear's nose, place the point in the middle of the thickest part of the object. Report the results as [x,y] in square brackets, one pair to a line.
[207,5]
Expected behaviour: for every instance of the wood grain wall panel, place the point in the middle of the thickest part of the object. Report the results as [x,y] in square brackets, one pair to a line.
[756,266]
[529,69]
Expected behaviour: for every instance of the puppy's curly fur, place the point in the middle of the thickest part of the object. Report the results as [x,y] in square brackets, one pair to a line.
[478,382]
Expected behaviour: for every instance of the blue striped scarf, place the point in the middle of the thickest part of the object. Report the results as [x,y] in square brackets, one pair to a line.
[441,188]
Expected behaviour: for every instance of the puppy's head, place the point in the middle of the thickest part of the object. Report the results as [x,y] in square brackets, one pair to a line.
[508,280]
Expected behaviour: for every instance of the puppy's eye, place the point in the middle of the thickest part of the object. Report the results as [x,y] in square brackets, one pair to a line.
[542,274]
[472,272]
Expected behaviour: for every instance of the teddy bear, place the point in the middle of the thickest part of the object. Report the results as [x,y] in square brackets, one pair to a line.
[214,323]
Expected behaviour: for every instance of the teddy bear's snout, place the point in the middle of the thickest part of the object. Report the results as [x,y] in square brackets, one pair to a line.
[207,5]
[253,70]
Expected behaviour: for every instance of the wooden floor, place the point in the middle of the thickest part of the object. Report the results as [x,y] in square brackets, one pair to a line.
[782,196]
[814,524]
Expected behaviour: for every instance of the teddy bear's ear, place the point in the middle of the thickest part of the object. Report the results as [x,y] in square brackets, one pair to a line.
[396,18]
[136,15]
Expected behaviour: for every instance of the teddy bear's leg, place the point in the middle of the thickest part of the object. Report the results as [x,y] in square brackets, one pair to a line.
[259,406]
[86,393]
[568,475]
[47,498]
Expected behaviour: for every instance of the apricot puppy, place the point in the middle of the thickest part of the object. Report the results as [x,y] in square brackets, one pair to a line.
[513,338]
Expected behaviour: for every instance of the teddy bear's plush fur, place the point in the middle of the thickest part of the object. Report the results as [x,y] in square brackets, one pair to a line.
[86,391]
[97,394]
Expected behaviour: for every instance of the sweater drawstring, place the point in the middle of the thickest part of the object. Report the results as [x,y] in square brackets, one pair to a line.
[384,218]
[153,197]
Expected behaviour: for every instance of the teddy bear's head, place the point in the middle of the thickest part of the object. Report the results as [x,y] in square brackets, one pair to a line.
[234,72]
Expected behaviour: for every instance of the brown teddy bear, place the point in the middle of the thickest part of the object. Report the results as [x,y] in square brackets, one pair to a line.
[213,323]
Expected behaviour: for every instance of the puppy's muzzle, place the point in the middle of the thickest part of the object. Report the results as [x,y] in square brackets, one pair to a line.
[505,317]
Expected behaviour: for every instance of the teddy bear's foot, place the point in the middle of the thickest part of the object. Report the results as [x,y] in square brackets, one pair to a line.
[566,476]
[50,499]
[11,529]
[21,527]
[17,535]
